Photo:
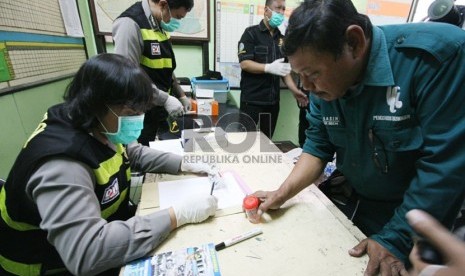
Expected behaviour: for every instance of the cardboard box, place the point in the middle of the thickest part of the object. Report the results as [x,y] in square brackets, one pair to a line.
[205,104]
[207,107]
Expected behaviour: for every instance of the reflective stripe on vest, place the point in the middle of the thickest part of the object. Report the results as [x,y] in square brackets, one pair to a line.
[107,169]
[159,37]
[149,34]
[156,63]
[110,166]
[19,226]
[20,268]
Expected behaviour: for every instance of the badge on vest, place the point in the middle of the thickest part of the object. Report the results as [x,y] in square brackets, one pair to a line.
[155,49]
[111,192]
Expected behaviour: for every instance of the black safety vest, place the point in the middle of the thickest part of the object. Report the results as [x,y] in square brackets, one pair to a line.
[157,57]
[24,247]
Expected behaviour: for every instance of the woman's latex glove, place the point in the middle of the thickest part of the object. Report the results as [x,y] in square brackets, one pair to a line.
[195,209]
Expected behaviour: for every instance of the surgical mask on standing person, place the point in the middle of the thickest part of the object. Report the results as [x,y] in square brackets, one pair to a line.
[129,129]
[172,25]
[276,19]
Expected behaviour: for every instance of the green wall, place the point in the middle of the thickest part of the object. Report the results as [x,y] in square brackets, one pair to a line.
[288,120]
[23,110]
[21,113]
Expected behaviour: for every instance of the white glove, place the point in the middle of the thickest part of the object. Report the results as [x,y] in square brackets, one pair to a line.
[198,167]
[173,106]
[195,209]
[186,103]
[278,67]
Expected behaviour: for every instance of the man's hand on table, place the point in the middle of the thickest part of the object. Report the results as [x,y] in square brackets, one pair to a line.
[269,200]
[381,261]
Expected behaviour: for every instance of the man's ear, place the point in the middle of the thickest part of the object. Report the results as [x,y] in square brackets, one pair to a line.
[265,11]
[356,40]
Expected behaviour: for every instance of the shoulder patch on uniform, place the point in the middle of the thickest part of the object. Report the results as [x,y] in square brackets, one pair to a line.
[111,192]
[241,47]
[155,47]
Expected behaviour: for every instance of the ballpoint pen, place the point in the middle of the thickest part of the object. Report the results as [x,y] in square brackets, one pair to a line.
[213,187]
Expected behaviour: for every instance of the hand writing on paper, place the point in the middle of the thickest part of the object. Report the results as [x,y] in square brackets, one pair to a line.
[381,260]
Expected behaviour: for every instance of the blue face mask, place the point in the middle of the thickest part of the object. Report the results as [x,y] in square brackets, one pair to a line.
[129,129]
[172,25]
[276,19]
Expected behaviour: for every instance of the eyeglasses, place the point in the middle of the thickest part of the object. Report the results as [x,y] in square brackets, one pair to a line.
[379,156]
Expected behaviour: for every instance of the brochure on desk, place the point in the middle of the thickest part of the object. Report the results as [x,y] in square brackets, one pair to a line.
[194,261]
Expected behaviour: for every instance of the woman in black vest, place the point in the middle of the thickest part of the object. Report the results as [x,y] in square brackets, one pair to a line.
[66,197]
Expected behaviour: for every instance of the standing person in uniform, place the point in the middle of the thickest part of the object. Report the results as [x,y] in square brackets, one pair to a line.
[389,101]
[141,33]
[263,66]
[64,206]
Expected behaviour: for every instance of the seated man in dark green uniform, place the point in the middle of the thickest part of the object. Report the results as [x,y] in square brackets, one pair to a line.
[388,101]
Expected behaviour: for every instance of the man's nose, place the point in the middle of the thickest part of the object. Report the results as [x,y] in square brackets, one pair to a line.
[308,85]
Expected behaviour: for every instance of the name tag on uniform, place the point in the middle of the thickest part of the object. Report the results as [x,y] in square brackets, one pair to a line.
[155,49]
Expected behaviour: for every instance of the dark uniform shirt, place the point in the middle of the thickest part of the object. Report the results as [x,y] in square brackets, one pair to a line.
[259,45]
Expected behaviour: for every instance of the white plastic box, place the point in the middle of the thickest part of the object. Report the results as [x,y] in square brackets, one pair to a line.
[221,96]
[221,88]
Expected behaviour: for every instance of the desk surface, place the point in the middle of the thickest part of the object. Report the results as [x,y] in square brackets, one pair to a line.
[307,236]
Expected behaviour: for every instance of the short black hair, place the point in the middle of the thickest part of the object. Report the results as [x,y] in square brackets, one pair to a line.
[106,79]
[269,2]
[175,4]
[321,25]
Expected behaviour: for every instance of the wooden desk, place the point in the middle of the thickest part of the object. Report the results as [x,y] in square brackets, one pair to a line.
[307,236]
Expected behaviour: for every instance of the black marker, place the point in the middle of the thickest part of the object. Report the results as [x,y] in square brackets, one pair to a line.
[236,239]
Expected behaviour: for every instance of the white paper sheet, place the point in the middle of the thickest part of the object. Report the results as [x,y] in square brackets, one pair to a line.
[229,193]
[170,145]
[70,14]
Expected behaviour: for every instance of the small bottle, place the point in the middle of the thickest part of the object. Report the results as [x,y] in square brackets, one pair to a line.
[250,206]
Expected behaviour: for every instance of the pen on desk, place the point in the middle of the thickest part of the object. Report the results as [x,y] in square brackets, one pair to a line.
[213,187]
[252,233]
[214,181]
